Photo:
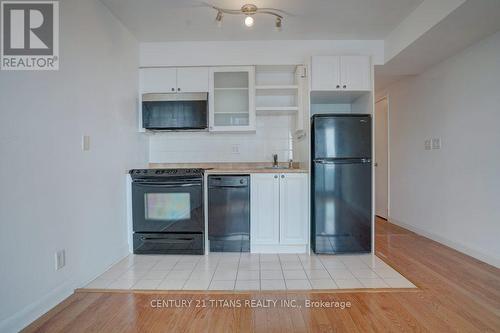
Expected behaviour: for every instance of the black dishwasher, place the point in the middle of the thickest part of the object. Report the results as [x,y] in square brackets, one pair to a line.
[229,213]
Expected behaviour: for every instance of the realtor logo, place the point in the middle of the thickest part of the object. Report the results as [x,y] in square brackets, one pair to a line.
[29,35]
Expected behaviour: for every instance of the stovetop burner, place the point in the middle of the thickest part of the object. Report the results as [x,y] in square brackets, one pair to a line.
[147,173]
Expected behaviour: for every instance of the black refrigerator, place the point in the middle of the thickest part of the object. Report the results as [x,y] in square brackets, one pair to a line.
[341,193]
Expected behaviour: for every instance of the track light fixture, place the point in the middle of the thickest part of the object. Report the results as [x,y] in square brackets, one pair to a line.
[249,11]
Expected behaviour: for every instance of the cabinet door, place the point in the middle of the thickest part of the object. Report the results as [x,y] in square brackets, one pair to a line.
[325,73]
[158,80]
[293,209]
[232,99]
[355,73]
[192,79]
[264,214]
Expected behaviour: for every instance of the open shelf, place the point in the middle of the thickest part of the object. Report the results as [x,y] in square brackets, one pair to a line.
[275,75]
[277,87]
[277,108]
[276,91]
[231,112]
[232,88]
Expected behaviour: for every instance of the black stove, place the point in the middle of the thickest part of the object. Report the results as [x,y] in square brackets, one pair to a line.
[165,173]
[167,211]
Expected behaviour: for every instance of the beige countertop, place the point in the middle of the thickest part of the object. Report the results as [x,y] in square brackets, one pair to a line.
[232,168]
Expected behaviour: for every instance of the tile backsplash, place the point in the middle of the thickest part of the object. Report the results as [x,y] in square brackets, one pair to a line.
[274,135]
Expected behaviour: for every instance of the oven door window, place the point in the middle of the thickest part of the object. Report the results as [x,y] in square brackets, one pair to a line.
[167,206]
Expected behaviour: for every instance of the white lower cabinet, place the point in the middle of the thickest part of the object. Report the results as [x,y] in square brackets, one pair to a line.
[265,209]
[293,209]
[279,213]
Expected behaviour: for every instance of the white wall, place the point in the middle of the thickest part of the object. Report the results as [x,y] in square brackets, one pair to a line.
[273,135]
[275,52]
[451,194]
[53,195]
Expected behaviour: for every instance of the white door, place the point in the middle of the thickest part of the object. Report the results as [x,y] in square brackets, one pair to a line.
[355,73]
[325,73]
[192,79]
[381,158]
[158,80]
[264,211]
[293,209]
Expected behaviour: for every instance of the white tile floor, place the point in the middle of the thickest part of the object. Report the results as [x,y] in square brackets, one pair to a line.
[235,271]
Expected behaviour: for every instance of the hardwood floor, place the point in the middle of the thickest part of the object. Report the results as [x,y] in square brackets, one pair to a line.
[456,293]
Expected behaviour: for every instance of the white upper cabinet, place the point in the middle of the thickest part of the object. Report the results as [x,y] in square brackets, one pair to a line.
[158,80]
[169,79]
[293,209]
[325,73]
[232,99]
[355,73]
[343,73]
[192,79]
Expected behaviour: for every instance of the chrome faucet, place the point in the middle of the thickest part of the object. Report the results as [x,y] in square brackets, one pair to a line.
[275,160]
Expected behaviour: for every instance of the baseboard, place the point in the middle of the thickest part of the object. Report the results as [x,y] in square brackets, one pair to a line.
[35,310]
[30,313]
[445,241]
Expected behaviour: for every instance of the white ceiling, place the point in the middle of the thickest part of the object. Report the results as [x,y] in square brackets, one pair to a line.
[469,23]
[190,20]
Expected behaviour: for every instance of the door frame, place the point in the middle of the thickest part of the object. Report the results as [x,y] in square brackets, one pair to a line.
[386,97]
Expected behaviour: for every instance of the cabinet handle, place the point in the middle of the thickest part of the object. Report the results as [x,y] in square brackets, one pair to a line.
[275,176]
[173,89]
[344,86]
[282,176]
[338,86]
[179,89]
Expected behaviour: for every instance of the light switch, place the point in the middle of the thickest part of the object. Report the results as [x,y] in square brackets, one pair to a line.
[427,144]
[436,143]
[86,143]
[60,259]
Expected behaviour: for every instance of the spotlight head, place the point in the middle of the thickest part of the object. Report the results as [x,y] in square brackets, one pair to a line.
[218,18]
[278,23]
[249,21]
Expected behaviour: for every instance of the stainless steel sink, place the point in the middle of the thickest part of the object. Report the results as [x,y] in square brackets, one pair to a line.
[280,167]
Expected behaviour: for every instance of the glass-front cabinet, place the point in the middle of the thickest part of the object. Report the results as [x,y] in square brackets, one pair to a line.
[232,99]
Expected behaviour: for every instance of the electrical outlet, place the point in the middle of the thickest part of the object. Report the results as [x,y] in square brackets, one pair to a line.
[86,143]
[436,143]
[427,144]
[60,257]
[235,149]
